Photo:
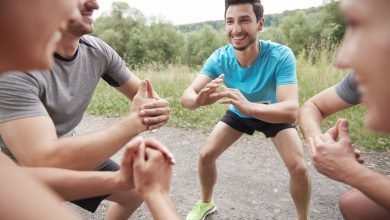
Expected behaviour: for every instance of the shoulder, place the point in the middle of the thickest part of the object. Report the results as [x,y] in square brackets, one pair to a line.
[276,50]
[95,43]
[223,53]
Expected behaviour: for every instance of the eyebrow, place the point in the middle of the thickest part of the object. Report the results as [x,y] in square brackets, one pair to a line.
[241,17]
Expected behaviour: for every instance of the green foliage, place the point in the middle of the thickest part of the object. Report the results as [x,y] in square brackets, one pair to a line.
[200,45]
[216,25]
[156,49]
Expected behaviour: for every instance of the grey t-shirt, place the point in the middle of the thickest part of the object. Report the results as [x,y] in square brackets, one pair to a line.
[347,90]
[64,92]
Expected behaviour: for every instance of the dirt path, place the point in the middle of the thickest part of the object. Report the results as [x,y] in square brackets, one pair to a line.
[252,181]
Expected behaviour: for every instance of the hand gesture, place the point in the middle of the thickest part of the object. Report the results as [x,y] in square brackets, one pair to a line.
[334,160]
[125,174]
[203,98]
[152,172]
[235,98]
[331,135]
[156,112]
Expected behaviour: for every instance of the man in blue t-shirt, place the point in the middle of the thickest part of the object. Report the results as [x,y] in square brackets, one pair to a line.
[260,85]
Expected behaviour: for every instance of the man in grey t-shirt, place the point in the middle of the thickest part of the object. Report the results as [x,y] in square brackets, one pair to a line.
[38,111]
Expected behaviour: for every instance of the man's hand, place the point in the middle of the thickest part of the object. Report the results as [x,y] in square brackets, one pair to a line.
[125,174]
[203,98]
[335,160]
[152,172]
[155,113]
[144,96]
[331,136]
[236,98]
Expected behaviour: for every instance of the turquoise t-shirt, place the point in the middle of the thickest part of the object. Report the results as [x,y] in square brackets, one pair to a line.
[275,65]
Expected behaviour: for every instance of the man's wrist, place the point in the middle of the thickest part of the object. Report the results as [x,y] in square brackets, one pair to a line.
[151,194]
[134,121]
[121,182]
[352,173]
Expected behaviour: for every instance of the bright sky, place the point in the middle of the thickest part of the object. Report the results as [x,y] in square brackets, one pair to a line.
[192,11]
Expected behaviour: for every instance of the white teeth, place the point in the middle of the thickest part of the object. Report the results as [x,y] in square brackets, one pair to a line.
[238,37]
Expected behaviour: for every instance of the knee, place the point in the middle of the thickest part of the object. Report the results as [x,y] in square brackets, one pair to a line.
[346,203]
[299,170]
[206,157]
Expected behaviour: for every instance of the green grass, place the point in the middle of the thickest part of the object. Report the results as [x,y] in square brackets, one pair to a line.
[171,81]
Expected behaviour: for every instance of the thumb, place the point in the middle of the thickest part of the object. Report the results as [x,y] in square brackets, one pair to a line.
[142,89]
[334,131]
[131,148]
[150,90]
[344,132]
[140,159]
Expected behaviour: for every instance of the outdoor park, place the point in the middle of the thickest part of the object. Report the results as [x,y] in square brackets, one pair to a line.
[252,178]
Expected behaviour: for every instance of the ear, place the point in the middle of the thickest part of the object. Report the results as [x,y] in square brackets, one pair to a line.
[260,24]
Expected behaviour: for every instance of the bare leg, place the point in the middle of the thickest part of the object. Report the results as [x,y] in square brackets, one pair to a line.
[123,204]
[219,140]
[354,205]
[290,149]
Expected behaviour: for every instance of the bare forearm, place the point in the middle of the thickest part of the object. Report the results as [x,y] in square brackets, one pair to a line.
[310,120]
[188,99]
[283,112]
[86,152]
[19,192]
[161,206]
[72,185]
[374,185]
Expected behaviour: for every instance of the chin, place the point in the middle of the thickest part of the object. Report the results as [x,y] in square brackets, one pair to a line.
[377,123]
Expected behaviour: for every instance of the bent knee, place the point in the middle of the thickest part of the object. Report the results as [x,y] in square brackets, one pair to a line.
[298,171]
[206,157]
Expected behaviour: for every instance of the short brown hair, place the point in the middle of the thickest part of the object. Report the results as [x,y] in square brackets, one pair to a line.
[256,5]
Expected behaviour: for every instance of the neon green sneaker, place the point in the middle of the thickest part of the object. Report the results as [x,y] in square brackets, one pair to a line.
[201,210]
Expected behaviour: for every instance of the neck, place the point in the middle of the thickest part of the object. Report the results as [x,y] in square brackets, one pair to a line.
[248,56]
[68,45]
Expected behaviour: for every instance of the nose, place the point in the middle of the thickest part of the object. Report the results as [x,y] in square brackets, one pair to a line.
[92,4]
[345,53]
[237,28]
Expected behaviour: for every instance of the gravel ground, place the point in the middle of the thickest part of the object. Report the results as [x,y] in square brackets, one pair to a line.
[252,179]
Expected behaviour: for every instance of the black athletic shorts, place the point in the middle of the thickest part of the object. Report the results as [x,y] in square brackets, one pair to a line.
[91,204]
[250,125]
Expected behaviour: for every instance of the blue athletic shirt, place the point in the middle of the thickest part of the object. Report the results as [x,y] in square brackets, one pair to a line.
[275,65]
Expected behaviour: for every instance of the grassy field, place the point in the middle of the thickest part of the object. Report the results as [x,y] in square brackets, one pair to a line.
[170,82]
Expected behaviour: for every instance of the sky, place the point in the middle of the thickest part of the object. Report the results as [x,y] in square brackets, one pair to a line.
[192,11]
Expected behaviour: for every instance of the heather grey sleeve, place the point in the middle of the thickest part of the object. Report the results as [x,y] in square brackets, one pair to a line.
[19,97]
[116,73]
[347,90]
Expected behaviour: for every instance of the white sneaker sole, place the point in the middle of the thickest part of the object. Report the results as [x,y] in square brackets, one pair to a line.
[211,211]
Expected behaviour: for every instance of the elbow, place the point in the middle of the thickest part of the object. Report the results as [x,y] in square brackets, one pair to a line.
[44,160]
[185,103]
[302,111]
[293,113]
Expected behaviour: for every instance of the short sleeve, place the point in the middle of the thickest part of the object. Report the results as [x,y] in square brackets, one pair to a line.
[347,90]
[116,72]
[286,68]
[211,67]
[19,97]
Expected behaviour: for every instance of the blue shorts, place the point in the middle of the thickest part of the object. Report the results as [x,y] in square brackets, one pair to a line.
[91,204]
[250,125]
